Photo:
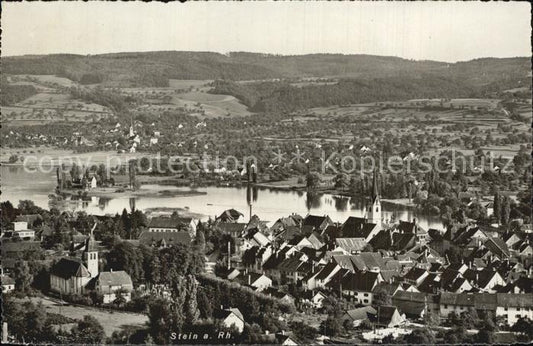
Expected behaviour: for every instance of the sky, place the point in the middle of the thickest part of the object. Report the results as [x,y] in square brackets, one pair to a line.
[454,31]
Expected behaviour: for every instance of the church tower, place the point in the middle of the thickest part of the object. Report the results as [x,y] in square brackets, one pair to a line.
[374,209]
[90,255]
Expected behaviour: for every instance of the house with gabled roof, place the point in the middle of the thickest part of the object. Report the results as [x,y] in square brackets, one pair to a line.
[387,317]
[230,215]
[173,224]
[485,280]
[350,245]
[276,293]
[416,275]
[293,269]
[313,298]
[509,306]
[359,286]
[230,317]
[497,247]
[318,223]
[321,277]
[316,240]
[283,223]
[356,227]
[415,305]
[257,281]
[163,239]
[453,281]
[356,316]
[110,283]
[300,241]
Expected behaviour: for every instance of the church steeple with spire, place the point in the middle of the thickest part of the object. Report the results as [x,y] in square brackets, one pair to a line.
[374,209]
[90,255]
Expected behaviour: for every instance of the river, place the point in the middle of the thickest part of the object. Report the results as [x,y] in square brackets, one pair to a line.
[268,204]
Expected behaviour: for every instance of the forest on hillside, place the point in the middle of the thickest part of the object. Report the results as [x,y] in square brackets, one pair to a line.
[284,97]
[155,68]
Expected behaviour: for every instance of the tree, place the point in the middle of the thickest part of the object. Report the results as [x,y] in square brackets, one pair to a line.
[524,326]
[506,210]
[89,331]
[485,336]
[421,336]
[191,304]
[205,306]
[312,180]
[331,326]
[381,298]
[497,206]
[153,275]
[13,158]
[341,181]
[22,276]
[120,300]
[456,335]
[303,331]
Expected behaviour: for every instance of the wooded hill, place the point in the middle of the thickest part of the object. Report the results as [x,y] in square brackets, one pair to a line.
[155,68]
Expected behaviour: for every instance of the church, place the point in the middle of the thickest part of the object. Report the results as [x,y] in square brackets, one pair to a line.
[71,275]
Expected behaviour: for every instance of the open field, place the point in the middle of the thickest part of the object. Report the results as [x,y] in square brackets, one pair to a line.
[185,84]
[213,105]
[50,79]
[112,321]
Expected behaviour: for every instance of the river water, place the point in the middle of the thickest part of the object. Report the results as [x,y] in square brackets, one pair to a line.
[268,204]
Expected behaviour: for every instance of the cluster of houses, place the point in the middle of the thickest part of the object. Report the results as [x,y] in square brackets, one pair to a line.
[304,260]
[363,256]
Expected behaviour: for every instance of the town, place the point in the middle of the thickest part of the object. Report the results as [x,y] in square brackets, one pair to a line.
[304,279]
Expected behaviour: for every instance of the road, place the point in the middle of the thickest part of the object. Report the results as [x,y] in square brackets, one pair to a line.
[110,320]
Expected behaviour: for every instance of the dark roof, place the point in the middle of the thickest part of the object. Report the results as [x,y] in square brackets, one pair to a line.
[411,303]
[289,233]
[407,227]
[230,215]
[337,278]
[223,313]
[356,227]
[326,271]
[314,220]
[415,273]
[360,281]
[390,288]
[384,316]
[164,238]
[116,278]
[480,277]
[360,313]
[69,267]
[252,277]
[333,231]
[163,222]
[498,247]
